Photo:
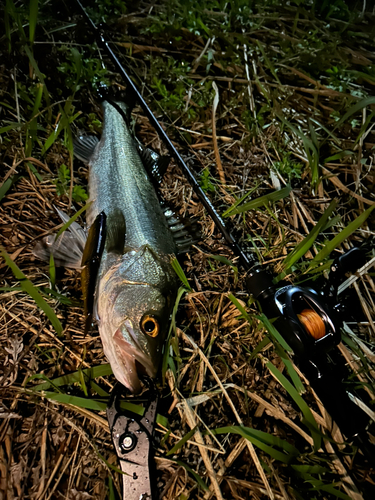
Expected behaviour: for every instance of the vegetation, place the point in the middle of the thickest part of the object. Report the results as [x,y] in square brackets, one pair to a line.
[291,121]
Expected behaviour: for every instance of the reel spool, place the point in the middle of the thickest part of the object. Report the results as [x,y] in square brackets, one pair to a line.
[313,323]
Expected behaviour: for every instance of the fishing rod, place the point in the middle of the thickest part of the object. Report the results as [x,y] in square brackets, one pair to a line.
[219,222]
[309,321]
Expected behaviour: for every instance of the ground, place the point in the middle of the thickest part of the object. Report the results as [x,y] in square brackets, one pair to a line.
[271,106]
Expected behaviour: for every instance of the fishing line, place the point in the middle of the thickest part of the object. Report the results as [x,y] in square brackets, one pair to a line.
[313,323]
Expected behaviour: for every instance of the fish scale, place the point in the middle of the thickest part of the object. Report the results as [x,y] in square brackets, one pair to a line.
[135,278]
[118,180]
[128,281]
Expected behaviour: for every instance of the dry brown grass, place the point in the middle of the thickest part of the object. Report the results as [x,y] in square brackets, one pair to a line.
[51,450]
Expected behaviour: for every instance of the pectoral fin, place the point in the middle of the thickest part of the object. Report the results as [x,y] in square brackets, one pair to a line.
[116,230]
[91,258]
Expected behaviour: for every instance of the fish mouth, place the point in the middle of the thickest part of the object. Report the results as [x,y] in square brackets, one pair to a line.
[133,361]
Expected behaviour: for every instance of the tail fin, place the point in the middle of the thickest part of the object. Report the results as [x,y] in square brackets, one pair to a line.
[67,249]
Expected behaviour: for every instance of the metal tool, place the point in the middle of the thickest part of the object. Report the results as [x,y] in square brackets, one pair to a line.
[132,437]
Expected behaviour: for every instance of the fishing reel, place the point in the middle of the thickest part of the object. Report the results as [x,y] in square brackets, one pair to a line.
[310,322]
[303,318]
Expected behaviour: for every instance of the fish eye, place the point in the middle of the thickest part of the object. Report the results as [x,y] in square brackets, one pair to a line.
[150,325]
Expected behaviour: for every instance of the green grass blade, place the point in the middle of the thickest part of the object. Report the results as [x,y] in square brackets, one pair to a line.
[111,489]
[364,127]
[11,126]
[302,248]
[242,310]
[309,418]
[339,238]
[73,219]
[259,202]
[329,488]
[38,73]
[60,297]
[268,62]
[274,333]
[368,101]
[297,382]
[52,137]
[67,399]
[180,273]
[238,202]
[63,124]
[311,469]
[166,356]
[71,378]
[89,403]
[101,392]
[7,185]
[266,442]
[52,271]
[196,476]
[326,130]
[338,156]
[33,16]
[262,345]
[83,383]
[313,135]
[160,419]
[222,259]
[32,291]
[227,262]
[310,150]
[12,11]
[182,441]
[38,99]
[271,440]
[48,384]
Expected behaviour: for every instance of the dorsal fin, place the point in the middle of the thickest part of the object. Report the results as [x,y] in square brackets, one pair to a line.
[84,147]
[185,231]
[91,258]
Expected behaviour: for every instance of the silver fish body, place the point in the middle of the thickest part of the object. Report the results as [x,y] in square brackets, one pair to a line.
[136,284]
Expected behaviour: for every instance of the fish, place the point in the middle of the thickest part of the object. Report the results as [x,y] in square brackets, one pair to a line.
[129,283]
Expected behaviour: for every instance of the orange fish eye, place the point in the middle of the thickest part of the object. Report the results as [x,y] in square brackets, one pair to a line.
[150,325]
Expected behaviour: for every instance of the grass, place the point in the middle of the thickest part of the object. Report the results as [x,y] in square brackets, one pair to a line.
[294,130]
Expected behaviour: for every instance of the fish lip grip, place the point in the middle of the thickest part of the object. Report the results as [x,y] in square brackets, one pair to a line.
[132,437]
